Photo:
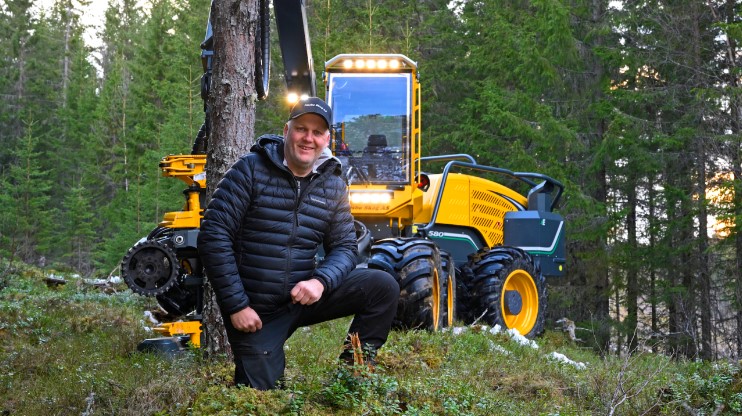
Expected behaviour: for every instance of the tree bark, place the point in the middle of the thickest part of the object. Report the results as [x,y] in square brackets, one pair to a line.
[651,264]
[686,300]
[232,102]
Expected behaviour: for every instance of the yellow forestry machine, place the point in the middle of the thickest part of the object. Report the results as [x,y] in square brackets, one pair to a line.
[471,243]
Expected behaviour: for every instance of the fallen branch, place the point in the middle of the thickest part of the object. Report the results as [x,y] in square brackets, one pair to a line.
[480,317]
[53,281]
[569,327]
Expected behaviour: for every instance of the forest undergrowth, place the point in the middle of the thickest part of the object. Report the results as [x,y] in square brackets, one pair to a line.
[71,349]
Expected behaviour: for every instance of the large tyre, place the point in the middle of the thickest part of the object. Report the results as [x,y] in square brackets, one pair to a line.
[416,264]
[465,302]
[508,289]
[448,296]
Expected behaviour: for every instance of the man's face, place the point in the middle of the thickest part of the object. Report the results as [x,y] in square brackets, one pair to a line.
[306,137]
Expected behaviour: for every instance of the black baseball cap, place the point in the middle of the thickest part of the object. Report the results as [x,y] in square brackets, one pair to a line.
[312,105]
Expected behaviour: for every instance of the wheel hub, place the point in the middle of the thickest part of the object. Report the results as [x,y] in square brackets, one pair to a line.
[150,268]
[513,302]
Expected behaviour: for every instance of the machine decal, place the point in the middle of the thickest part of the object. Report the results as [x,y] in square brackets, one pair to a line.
[547,250]
[453,236]
[515,203]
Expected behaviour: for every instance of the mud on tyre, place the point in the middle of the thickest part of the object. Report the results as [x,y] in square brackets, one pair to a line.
[416,265]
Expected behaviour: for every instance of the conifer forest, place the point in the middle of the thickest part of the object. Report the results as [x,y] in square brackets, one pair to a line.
[636,106]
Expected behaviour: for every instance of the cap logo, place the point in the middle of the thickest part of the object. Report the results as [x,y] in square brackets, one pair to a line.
[312,105]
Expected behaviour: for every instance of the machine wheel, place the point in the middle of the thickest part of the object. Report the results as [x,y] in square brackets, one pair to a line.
[150,268]
[464,300]
[508,289]
[448,283]
[416,264]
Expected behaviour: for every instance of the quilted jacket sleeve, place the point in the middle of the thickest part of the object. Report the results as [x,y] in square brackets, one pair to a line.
[340,246]
[219,230]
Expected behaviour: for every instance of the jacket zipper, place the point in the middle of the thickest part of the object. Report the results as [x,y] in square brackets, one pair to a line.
[294,229]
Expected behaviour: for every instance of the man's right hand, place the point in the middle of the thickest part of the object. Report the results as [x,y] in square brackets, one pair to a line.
[246,320]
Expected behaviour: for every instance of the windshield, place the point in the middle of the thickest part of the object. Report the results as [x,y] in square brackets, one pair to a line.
[371,114]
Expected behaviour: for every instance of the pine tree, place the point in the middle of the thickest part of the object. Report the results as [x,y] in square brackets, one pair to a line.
[79,223]
[110,149]
[16,28]
[26,188]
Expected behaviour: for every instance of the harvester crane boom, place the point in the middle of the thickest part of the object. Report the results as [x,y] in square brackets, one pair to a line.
[296,49]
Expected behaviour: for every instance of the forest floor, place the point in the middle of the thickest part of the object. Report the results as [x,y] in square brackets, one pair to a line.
[71,349]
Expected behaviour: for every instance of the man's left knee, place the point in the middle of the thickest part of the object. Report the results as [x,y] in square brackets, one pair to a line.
[385,284]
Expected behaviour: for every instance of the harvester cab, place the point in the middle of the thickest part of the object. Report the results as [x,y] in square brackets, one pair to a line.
[376,136]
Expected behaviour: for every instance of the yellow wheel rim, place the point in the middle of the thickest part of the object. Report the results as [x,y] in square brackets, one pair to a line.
[436,300]
[450,300]
[520,281]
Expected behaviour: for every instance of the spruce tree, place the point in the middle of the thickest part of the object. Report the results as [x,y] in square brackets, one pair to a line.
[25,225]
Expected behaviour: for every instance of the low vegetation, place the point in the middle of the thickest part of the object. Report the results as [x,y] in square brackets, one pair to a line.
[71,349]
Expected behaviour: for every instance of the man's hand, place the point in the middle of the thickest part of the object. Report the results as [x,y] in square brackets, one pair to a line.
[246,320]
[307,292]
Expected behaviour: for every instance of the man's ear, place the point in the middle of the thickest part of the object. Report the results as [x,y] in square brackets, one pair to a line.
[285,129]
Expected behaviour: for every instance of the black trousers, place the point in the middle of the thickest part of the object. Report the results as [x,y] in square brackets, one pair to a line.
[370,295]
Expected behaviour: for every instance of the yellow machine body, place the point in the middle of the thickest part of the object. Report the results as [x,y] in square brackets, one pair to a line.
[190,328]
[471,201]
[189,169]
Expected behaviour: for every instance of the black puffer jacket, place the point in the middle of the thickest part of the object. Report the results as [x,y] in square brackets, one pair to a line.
[258,239]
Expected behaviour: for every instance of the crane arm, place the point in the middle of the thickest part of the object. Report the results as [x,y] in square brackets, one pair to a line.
[296,49]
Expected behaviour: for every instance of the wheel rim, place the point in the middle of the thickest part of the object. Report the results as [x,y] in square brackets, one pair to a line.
[436,299]
[521,282]
[450,301]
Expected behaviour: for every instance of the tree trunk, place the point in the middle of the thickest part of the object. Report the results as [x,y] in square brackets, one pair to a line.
[703,258]
[232,103]
[600,194]
[738,245]
[632,273]
[704,283]
[736,162]
[686,300]
[651,264]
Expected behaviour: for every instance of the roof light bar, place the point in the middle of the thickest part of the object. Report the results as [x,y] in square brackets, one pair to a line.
[371,63]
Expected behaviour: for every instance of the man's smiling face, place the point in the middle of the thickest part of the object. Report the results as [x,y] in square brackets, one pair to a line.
[306,137]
